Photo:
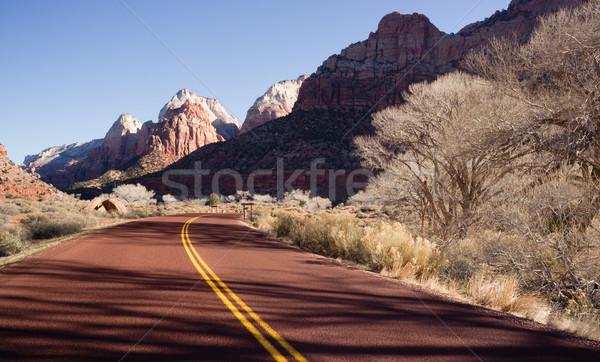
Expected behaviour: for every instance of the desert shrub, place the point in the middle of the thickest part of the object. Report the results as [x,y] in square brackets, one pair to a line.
[9,209]
[134,194]
[169,199]
[330,235]
[52,225]
[4,219]
[11,241]
[213,200]
[395,252]
[263,199]
[242,195]
[196,202]
[386,248]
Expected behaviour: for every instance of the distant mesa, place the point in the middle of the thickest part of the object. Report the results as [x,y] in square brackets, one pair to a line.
[277,101]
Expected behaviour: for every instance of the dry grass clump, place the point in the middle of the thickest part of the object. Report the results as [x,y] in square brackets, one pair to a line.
[393,251]
[502,292]
[385,248]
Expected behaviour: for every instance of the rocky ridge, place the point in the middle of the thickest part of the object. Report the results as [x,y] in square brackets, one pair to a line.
[56,158]
[277,101]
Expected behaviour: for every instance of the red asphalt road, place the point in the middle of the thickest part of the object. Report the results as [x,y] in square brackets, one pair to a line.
[132,291]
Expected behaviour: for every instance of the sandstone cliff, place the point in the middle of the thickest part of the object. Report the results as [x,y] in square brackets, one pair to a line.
[182,130]
[372,74]
[277,101]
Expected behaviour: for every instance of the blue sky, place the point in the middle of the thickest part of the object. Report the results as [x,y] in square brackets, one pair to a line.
[69,68]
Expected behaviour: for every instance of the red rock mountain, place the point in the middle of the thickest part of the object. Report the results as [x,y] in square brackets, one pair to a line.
[372,74]
[277,101]
[18,183]
[186,123]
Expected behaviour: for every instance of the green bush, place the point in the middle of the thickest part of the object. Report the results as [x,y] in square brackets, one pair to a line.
[213,199]
[52,225]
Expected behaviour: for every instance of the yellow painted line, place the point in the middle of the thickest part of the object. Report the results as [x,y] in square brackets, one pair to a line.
[240,316]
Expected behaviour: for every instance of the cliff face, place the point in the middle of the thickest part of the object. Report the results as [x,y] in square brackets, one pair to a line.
[372,74]
[226,125]
[277,101]
[182,130]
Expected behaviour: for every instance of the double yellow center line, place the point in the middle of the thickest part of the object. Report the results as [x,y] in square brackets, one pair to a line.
[227,296]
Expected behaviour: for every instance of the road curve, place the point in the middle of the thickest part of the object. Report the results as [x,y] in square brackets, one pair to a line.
[168,288]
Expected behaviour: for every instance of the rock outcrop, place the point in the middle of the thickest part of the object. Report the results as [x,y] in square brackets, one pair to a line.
[277,101]
[118,147]
[120,142]
[372,74]
[226,125]
[18,183]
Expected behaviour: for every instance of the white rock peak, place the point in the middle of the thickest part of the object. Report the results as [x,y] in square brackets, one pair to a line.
[216,111]
[281,95]
[126,123]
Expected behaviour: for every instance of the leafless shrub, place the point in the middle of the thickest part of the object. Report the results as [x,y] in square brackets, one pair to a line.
[546,237]
[134,194]
[263,199]
[305,200]
[169,199]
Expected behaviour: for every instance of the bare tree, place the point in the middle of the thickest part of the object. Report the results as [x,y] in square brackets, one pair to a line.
[446,149]
[556,75]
